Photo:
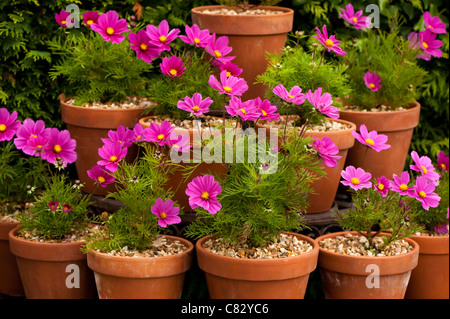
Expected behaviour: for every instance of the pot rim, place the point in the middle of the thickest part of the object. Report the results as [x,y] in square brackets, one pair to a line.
[351,124]
[87,109]
[199,10]
[413,107]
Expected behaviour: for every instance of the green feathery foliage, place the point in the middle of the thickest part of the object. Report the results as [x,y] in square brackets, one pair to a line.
[96,70]
[257,205]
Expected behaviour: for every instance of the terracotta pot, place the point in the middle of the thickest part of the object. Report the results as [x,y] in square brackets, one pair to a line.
[176,181]
[251,37]
[52,270]
[241,278]
[141,278]
[10,282]
[429,280]
[326,187]
[347,277]
[87,126]
[397,125]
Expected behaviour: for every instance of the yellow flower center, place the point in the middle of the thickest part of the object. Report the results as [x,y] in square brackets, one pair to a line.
[355,20]
[227,89]
[403,187]
[242,110]
[2,127]
[196,40]
[101,179]
[205,195]
[63,21]
[32,135]
[355,181]
[424,169]
[110,31]
[217,53]
[372,85]
[162,39]
[228,73]
[143,47]
[173,72]
[160,137]
[195,108]
[290,96]
[89,22]
[57,148]
[444,167]
[370,141]
[422,194]
[425,45]
[329,43]
[113,158]
[430,27]
[380,187]
[264,113]
[138,137]
[162,215]
[176,146]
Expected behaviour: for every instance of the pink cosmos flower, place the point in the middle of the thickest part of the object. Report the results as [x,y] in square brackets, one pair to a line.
[434,24]
[231,68]
[53,205]
[371,139]
[323,103]
[38,144]
[356,178]
[195,36]
[441,228]
[172,66]
[60,147]
[428,42]
[161,36]
[330,43]
[8,124]
[90,17]
[66,208]
[110,27]
[145,50]
[61,18]
[138,133]
[27,131]
[355,19]
[122,135]
[158,133]
[424,165]
[247,110]
[383,185]
[196,105]
[166,212]
[267,111]
[111,153]
[413,39]
[219,49]
[231,86]
[424,192]
[202,192]
[372,81]
[400,184]
[442,161]
[100,175]
[294,96]
[179,143]
[327,150]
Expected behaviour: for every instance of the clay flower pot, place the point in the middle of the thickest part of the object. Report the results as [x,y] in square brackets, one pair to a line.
[241,278]
[326,187]
[87,126]
[176,181]
[251,37]
[141,278]
[10,282]
[429,280]
[346,277]
[52,270]
[397,125]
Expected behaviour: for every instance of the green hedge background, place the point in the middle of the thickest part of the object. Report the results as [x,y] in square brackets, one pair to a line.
[26,26]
